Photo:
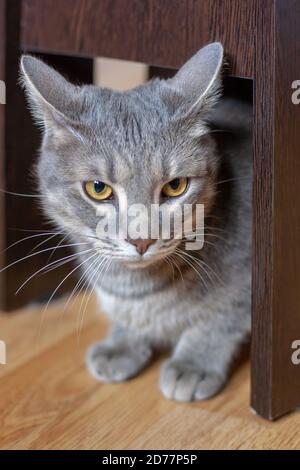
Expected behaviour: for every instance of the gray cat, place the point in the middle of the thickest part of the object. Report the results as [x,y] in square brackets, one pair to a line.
[154,144]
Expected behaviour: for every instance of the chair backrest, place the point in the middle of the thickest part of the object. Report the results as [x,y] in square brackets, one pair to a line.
[158,32]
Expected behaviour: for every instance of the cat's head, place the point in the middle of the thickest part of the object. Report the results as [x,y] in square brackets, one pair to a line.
[104,151]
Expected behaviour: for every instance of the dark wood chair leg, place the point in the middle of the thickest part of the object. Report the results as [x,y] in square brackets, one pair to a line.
[276,206]
[19,143]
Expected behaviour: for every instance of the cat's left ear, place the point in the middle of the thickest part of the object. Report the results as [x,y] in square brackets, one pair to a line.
[198,81]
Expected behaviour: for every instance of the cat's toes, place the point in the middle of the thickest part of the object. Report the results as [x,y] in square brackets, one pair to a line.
[115,363]
[182,381]
[209,386]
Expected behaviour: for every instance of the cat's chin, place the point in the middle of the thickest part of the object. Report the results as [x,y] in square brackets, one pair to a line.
[141,262]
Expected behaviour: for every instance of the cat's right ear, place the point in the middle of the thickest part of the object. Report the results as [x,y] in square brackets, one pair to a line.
[51,97]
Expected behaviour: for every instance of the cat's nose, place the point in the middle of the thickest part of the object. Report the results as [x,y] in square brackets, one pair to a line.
[141,245]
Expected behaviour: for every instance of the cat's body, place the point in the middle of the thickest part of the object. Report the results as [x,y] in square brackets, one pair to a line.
[195,303]
[159,302]
[199,313]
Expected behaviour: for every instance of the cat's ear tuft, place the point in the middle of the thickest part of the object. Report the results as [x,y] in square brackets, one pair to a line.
[50,95]
[198,81]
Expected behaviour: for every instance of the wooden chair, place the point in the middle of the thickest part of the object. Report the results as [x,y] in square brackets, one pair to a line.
[262,37]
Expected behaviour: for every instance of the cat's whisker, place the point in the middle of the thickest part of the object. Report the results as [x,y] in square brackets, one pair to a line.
[40,252]
[201,264]
[210,227]
[11,193]
[205,235]
[27,238]
[189,240]
[42,243]
[196,261]
[168,261]
[172,256]
[34,230]
[81,282]
[213,131]
[229,180]
[214,235]
[189,263]
[92,237]
[60,262]
[85,287]
[100,271]
[58,245]
[58,287]
[56,263]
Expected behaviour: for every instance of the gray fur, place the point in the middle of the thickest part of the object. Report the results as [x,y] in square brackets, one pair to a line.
[198,308]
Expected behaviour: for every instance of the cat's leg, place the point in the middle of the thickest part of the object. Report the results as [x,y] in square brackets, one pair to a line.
[199,365]
[119,357]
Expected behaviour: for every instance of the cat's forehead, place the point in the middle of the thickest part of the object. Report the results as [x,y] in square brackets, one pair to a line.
[129,136]
[128,132]
[133,117]
[123,164]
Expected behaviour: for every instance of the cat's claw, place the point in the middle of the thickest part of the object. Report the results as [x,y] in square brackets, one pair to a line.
[115,363]
[181,381]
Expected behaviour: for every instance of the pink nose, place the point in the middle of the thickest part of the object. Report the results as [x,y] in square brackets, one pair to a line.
[142,245]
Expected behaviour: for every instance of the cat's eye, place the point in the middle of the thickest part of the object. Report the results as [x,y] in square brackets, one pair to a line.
[175,187]
[98,190]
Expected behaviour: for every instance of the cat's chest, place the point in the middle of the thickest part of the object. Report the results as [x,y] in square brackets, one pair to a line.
[159,315]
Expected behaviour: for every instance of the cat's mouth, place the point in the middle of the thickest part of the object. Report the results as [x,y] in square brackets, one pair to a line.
[143,261]
[140,262]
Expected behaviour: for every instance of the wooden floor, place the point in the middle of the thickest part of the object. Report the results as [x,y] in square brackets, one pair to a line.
[48,401]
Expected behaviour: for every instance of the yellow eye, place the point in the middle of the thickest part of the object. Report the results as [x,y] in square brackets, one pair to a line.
[98,190]
[174,188]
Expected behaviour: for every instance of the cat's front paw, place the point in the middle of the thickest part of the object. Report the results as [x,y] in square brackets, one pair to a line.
[116,362]
[182,381]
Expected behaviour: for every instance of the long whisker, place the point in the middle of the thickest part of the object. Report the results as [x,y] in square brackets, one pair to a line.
[233,179]
[169,262]
[96,275]
[197,261]
[205,242]
[68,258]
[60,262]
[27,238]
[42,243]
[176,265]
[187,261]
[32,230]
[99,269]
[82,280]
[205,234]
[40,252]
[102,274]
[58,245]
[57,288]
[11,193]
[211,227]
[201,263]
